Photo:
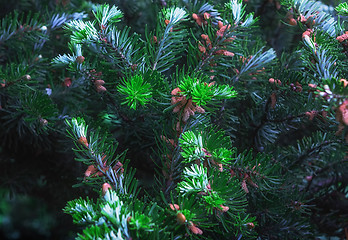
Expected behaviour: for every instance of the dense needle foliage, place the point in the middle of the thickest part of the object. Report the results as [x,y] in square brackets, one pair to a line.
[174,119]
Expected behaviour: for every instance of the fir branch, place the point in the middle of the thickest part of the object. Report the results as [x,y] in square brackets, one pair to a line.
[58,20]
[257,61]
[82,31]
[170,43]
[105,14]
[342,9]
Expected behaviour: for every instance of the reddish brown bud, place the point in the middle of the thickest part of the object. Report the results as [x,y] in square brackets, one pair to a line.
[83,141]
[292,21]
[100,89]
[67,82]
[250,225]
[99,82]
[80,59]
[194,229]
[180,218]
[344,81]
[228,53]
[105,188]
[27,77]
[90,170]
[201,48]
[174,207]
[195,16]
[220,24]
[309,178]
[224,208]
[206,15]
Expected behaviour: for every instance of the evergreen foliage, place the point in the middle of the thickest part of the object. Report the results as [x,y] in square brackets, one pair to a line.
[195,126]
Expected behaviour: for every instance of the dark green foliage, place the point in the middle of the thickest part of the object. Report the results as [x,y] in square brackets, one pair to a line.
[189,119]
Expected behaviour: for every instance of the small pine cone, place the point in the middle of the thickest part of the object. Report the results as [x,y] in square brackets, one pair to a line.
[340,39]
[27,77]
[181,218]
[194,229]
[80,59]
[344,81]
[198,19]
[228,53]
[90,170]
[309,178]
[308,33]
[101,89]
[224,208]
[292,21]
[206,15]
[99,82]
[174,207]
[67,82]
[201,48]
[220,24]
[342,113]
[43,122]
[175,91]
[106,188]
[250,225]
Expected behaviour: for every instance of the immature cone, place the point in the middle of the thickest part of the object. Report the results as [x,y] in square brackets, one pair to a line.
[80,59]
[99,82]
[100,89]
[174,207]
[292,22]
[224,208]
[181,218]
[344,81]
[342,113]
[206,15]
[43,122]
[250,225]
[27,77]
[106,188]
[194,229]
[155,39]
[90,170]
[67,82]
